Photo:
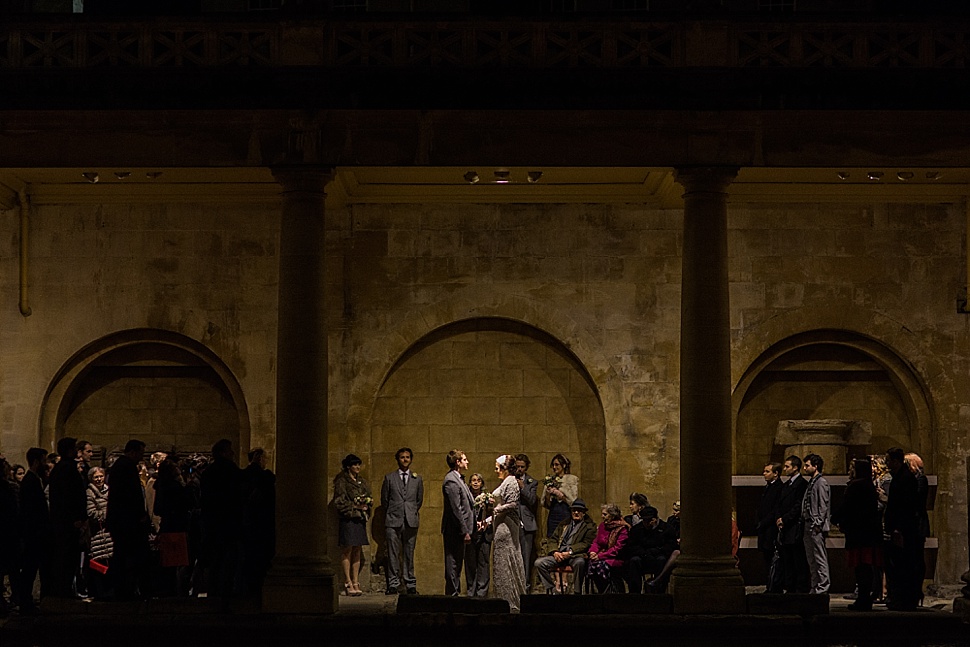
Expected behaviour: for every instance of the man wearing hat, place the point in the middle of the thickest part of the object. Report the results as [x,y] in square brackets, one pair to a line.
[569,544]
[652,548]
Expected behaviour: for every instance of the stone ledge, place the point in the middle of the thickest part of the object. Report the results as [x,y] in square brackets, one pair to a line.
[609,603]
[450,604]
[801,604]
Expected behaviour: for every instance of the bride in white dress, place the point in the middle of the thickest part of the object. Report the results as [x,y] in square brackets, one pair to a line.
[508,579]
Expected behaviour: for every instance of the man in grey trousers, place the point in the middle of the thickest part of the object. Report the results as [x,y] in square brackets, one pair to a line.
[816,510]
[402,495]
[528,501]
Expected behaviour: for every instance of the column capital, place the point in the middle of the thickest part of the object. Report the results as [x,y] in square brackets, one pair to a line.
[304,178]
[705,179]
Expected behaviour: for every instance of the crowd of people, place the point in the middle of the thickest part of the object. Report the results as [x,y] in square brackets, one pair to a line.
[493,534]
[134,527]
[882,515]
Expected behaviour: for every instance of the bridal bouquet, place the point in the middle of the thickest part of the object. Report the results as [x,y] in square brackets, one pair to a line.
[363,499]
[483,500]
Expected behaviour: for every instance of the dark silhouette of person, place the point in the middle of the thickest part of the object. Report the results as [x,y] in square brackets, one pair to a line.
[129,523]
[259,521]
[902,524]
[69,517]
[173,505]
[221,520]
[34,531]
[9,531]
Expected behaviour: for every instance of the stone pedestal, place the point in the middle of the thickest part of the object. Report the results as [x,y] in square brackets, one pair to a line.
[829,438]
[706,578]
[301,580]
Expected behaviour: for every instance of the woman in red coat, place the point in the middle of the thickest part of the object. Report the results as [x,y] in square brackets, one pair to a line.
[604,559]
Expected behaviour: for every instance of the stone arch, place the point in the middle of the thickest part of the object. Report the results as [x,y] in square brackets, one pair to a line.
[909,387]
[141,348]
[376,361]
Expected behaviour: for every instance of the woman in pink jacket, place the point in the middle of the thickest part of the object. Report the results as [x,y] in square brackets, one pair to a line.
[604,554]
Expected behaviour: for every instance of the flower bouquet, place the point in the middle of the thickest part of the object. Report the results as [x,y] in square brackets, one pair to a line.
[483,500]
[552,481]
[366,501]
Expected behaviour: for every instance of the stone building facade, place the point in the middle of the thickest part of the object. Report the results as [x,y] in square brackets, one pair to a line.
[324,237]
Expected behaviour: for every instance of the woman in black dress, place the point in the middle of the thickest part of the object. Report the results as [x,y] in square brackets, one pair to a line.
[353,501]
[858,518]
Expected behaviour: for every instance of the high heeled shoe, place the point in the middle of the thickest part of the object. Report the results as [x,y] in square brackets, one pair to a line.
[355,590]
[348,589]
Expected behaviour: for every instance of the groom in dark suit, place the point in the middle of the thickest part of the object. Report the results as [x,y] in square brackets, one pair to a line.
[457,519]
[402,495]
[767,526]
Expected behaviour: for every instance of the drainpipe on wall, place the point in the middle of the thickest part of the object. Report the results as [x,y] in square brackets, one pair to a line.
[24,221]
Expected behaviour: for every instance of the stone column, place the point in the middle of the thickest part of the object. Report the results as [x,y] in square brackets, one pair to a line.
[301,580]
[706,578]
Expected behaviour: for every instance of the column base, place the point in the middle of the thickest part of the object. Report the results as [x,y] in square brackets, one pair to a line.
[961,607]
[298,586]
[702,586]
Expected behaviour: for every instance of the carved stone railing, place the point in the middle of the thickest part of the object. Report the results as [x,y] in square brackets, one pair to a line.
[480,44]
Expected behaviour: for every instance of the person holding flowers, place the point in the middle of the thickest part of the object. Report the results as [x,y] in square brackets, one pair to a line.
[560,489]
[480,550]
[509,576]
[352,498]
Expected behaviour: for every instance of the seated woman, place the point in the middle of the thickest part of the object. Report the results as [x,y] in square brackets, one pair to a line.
[605,564]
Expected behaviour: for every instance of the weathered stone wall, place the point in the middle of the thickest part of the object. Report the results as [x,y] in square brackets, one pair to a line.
[207,271]
[590,297]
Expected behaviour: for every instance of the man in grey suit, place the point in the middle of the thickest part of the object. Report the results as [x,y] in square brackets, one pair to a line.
[402,495]
[457,519]
[527,513]
[816,508]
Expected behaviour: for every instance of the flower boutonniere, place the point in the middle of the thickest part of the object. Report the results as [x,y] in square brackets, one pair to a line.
[415,475]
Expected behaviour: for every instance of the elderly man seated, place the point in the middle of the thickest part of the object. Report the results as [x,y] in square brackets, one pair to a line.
[570,541]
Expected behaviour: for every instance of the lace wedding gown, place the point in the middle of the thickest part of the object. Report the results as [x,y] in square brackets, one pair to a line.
[508,579]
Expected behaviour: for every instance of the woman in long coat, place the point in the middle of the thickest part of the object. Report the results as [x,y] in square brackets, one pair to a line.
[858,518]
[353,501]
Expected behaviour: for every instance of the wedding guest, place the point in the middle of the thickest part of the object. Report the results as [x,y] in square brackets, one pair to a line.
[560,489]
[222,512]
[528,501]
[478,557]
[18,473]
[9,532]
[129,523]
[605,563]
[652,548]
[915,464]
[68,514]
[173,505]
[902,521]
[402,495]
[509,579]
[352,498]
[859,520]
[259,521]
[816,511]
[569,543]
[101,548]
[34,531]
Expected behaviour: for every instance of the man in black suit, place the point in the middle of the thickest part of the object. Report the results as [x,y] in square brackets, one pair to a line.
[69,517]
[34,529]
[128,522]
[767,526]
[791,549]
[902,523]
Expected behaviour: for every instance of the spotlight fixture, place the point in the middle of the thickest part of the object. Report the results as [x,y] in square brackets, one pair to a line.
[843,175]
[502,176]
[91,177]
[903,176]
[153,175]
[472,177]
[534,176]
[122,175]
[875,176]
[933,175]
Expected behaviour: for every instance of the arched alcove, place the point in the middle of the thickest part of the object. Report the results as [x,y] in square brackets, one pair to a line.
[828,374]
[487,386]
[161,387]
